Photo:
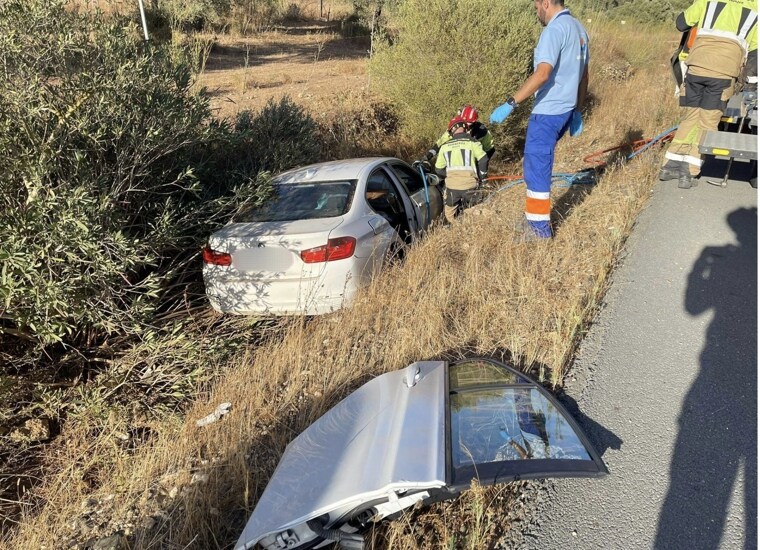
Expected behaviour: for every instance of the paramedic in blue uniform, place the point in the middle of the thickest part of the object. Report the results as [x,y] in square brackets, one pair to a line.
[559,80]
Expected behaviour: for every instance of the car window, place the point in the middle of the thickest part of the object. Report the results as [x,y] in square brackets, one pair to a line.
[424,432]
[509,424]
[504,425]
[382,195]
[411,179]
[302,201]
[481,373]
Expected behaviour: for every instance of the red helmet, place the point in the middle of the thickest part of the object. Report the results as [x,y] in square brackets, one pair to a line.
[469,114]
[456,122]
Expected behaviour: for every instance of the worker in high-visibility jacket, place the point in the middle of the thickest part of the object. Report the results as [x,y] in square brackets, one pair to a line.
[477,130]
[463,164]
[726,34]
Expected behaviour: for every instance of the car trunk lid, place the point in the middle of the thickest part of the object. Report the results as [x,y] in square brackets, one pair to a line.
[272,249]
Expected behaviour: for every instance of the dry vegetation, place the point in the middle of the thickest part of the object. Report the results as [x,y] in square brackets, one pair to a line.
[467,289]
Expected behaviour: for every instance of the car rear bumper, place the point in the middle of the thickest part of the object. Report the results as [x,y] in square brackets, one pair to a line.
[332,289]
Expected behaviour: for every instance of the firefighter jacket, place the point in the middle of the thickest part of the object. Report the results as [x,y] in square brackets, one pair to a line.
[726,33]
[478,131]
[462,161]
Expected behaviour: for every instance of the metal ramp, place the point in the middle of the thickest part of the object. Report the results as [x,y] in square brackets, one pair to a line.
[728,144]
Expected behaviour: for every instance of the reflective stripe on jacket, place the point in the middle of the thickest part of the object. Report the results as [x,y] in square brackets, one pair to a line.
[477,131]
[462,161]
[730,19]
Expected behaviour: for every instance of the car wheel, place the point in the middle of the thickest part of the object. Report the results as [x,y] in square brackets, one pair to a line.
[396,252]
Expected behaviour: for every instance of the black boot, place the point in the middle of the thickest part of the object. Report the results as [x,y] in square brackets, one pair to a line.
[684,177]
[670,171]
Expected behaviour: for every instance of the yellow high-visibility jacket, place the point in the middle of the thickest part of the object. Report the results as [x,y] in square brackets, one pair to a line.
[726,33]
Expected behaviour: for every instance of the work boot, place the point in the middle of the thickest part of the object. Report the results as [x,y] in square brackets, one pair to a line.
[684,177]
[670,171]
[525,233]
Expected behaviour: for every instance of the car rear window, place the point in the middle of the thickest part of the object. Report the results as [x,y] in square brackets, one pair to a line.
[303,201]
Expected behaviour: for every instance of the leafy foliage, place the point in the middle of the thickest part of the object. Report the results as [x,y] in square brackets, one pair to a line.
[195,14]
[281,118]
[649,11]
[450,52]
[652,12]
[113,175]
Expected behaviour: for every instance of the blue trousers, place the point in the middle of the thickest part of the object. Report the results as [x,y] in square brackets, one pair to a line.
[544,131]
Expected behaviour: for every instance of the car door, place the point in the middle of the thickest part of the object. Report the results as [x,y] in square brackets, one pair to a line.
[395,202]
[428,206]
[415,436]
[389,221]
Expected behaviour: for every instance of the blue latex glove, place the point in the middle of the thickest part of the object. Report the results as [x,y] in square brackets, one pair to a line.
[500,113]
[576,124]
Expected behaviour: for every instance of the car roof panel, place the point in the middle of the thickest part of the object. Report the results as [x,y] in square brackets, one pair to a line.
[349,169]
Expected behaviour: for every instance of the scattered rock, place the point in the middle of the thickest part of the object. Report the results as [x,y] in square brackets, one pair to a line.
[220,411]
[114,542]
[198,477]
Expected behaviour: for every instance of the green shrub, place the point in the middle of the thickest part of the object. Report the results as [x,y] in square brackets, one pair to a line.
[450,52]
[281,136]
[652,12]
[194,14]
[112,176]
[249,16]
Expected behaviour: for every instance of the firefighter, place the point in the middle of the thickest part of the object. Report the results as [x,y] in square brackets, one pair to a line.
[463,163]
[726,34]
[476,129]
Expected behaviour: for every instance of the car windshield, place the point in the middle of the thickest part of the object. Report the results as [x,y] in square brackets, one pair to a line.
[302,201]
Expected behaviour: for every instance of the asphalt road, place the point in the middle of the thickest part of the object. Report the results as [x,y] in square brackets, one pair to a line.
[667,384]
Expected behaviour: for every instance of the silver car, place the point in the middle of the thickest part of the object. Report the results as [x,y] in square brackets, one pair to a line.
[328,229]
[421,434]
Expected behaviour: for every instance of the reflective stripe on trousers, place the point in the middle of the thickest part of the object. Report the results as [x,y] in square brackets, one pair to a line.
[543,133]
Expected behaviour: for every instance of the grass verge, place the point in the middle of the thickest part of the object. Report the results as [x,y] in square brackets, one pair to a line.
[464,290]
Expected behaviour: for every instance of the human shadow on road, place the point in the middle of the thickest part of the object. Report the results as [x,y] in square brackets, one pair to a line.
[601,438]
[717,438]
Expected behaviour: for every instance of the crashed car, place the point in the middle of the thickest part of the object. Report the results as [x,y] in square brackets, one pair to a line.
[326,231]
[421,434]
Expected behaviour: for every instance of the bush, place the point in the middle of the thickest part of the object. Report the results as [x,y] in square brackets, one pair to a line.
[194,14]
[250,16]
[112,176]
[281,136]
[652,12]
[451,52]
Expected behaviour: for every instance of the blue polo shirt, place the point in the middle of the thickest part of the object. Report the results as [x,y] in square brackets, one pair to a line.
[563,45]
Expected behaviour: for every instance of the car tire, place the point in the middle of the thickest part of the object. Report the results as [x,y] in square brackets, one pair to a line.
[395,253]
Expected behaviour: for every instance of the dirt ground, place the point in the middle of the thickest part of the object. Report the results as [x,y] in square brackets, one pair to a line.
[309,61]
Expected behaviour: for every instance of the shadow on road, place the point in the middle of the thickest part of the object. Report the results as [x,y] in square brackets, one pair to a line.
[717,438]
[600,437]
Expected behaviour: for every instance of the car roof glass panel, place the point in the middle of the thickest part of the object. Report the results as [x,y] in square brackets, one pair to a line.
[302,201]
[477,372]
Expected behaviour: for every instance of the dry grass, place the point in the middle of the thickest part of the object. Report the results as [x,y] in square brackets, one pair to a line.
[465,290]
[316,69]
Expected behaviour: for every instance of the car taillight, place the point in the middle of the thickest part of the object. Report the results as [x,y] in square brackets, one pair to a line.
[213,257]
[335,249]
